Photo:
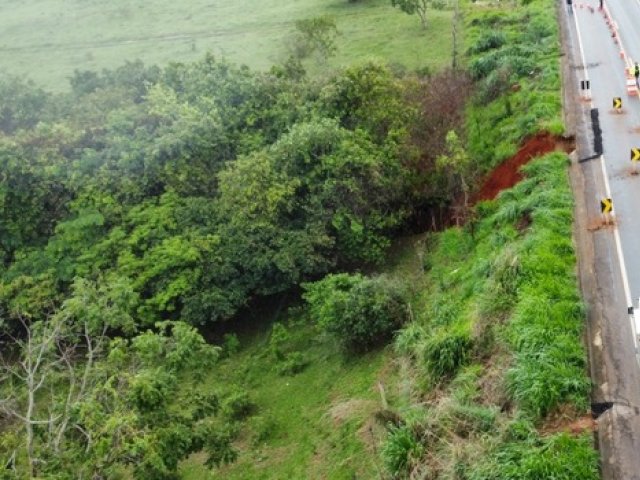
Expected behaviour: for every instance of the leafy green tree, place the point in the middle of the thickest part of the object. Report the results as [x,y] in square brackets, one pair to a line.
[32,197]
[315,35]
[347,184]
[413,7]
[22,104]
[360,312]
[370,98]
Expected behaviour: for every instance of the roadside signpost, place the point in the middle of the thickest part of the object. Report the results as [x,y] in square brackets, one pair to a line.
[606,207]
[617,104]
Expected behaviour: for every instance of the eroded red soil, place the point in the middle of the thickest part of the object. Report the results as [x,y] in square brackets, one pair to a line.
[507,174]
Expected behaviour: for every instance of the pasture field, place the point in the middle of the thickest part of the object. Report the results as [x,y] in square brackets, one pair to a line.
[47,40]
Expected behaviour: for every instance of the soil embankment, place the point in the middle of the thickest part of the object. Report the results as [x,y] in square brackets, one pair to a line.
[507,174]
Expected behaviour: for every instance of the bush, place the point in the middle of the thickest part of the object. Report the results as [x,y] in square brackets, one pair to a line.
[205,404]
[238,406]
[278,338]
[293,362]
[230,344]
[359,311]
[218,444]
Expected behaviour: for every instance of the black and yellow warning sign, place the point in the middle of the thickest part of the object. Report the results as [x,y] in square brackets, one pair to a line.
[617,103]
[606,205]
[635,154]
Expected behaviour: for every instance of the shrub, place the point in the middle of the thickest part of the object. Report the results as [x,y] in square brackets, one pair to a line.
[205,404]
[230,344]
[488,41]
[279,336]
[218,444]
[359,311]
[292,363]
[238,406]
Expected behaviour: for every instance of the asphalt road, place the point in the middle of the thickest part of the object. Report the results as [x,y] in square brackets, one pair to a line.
[621,132]
[609,255]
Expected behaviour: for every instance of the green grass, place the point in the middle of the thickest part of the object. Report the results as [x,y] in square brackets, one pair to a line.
[319,423]
[496,346]
[518,82]
[48,39]
[499,341]
[306,425]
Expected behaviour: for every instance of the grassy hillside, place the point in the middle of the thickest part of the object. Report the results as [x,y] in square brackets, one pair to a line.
[198,192]
[320,423]
[489,380]
[49,39]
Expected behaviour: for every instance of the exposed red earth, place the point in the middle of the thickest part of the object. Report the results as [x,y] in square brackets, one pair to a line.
[507,174]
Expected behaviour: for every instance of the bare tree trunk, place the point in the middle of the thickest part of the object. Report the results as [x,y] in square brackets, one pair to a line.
[422,12]
[456,18]
[34,369]
[423,19]
[29,428]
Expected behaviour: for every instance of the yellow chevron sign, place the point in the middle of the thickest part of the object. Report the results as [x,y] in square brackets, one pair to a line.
[606,205]
[635,154]
[617,103]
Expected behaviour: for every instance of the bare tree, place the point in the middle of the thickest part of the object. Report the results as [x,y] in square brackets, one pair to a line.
[46,351]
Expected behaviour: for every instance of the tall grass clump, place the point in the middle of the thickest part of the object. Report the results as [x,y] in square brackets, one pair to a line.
[447,349]
[401,450]
[557,457]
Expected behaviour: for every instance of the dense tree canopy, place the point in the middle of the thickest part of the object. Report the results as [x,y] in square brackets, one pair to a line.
[147,201]
[201,186]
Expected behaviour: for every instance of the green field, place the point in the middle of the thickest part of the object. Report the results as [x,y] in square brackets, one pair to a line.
[48,39]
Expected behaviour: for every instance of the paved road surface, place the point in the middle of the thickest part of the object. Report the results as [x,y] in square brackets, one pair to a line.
[609,256]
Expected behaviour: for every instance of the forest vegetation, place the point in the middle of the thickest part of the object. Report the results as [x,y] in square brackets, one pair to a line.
[211,271]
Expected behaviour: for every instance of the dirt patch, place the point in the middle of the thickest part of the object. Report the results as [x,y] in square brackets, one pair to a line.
[524,222]
[348,409]
[507,174]
[492,382]
[566,419]
[372,434]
